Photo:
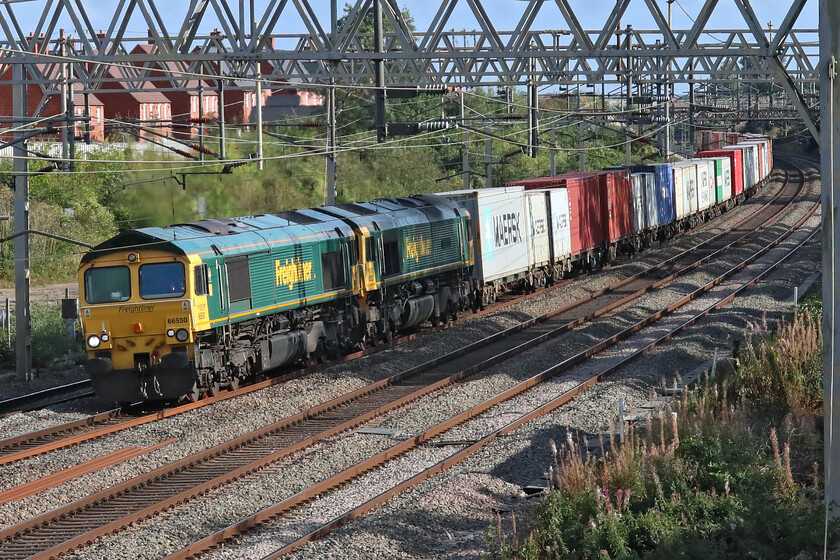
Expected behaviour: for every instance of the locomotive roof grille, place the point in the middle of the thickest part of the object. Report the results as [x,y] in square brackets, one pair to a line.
[216,226]
[298,217]
[357,209]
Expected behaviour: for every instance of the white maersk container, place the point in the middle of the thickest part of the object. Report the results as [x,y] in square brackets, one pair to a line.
[539,242]
[500,230]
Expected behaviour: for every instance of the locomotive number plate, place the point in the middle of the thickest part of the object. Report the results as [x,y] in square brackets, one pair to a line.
[177,320]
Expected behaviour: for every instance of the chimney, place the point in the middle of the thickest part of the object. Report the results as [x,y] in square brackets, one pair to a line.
[151,40]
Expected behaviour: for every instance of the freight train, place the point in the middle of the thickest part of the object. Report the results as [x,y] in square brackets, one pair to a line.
[182,311]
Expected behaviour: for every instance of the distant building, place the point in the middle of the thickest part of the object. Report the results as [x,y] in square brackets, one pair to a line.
[291,103]
[185,102]
[147,105]
[34,94]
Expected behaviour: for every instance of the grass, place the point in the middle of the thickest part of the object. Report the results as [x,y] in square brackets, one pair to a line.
[734,471]
[50,343]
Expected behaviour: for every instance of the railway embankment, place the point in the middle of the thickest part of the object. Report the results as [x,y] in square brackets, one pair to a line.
[733,468]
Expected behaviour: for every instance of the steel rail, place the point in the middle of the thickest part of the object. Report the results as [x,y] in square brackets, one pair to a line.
[382,458]
[391,396]
[58,437]
[67,392]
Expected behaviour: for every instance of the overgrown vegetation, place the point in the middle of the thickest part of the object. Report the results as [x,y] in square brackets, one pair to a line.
[50,341]
[733,472]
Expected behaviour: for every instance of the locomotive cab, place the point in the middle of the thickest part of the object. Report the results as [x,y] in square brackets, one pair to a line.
[139,313]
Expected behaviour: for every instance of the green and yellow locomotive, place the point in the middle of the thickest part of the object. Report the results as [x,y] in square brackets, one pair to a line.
[181,311]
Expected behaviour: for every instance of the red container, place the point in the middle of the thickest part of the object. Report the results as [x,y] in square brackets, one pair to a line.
[586,211]
[538,182]
[617,203]
[737,159]
[587,205]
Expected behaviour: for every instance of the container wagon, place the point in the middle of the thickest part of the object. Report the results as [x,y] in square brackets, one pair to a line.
[500,230]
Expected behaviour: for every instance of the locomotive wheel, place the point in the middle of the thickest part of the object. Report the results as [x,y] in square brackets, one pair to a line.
[234,383]
[213,390]
[193,395]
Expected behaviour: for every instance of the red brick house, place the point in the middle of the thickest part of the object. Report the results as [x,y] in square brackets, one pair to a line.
[184,104]
[53,106]
[147,105]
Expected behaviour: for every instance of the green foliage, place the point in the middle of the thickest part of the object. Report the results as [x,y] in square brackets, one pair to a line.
[49,339]
[712,481]
[784,368]
[83,206]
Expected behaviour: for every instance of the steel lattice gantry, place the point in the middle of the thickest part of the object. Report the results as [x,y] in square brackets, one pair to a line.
[244,47]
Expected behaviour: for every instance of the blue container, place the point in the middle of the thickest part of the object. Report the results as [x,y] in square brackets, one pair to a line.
[664,174]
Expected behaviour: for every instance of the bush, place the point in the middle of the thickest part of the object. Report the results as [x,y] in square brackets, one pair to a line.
[49,339]
[724,476]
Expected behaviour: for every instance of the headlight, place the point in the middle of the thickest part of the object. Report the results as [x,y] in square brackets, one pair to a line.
[94,341]
[182,335]
[105,337]
[170,332]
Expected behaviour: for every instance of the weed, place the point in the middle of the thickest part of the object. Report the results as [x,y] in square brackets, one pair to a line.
[732,472]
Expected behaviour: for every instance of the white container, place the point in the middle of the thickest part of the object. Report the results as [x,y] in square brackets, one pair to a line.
[637,183]
[539,234]
[500,230]
[561,225]
[651,210]
[685,188]
[705,183]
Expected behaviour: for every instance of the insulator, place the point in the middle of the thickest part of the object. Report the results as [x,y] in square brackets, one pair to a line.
[201,149]
[183,153]
[435,125]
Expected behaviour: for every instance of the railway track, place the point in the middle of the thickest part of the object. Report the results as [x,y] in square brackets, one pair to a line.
[268,524]
[47,397]
[64,435]
[76,524]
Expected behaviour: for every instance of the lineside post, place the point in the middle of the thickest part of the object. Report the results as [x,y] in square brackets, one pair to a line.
[23,323]
[830,156]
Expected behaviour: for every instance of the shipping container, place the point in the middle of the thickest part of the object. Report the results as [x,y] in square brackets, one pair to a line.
[585,211]
[705,184]
[499,225]
[664,178]
[645,208]
[753,164]
[736,158]
[539,242]
[685,188]
[760,157]
[766,147]
[617,203]
[723,179]
[560,230]
[637,181]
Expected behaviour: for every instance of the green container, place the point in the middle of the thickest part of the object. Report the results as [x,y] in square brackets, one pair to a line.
[718,181]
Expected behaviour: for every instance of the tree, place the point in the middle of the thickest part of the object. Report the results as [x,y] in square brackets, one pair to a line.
[366,27]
